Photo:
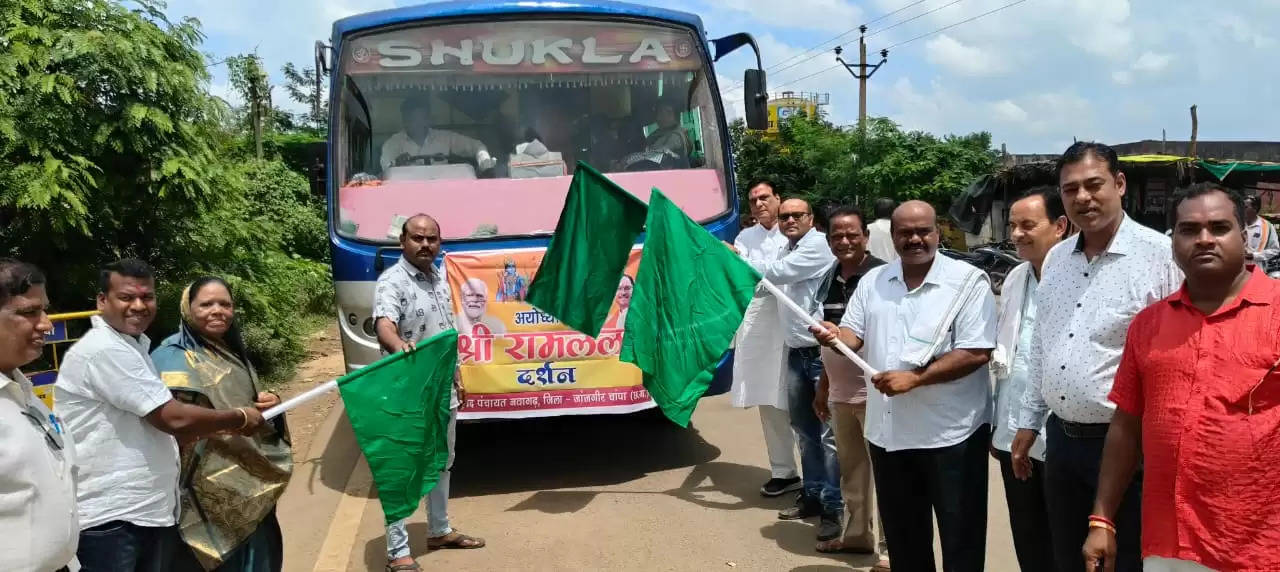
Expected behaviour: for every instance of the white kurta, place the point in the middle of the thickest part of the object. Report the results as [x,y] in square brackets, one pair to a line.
[760,353]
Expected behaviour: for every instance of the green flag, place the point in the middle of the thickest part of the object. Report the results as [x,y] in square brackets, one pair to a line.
[578,277]
[690,295]
[399,409]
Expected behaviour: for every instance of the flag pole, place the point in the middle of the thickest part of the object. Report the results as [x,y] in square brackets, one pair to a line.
[795,308]
[299,399]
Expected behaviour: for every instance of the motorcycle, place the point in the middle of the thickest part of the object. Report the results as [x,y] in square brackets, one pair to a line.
[994,258]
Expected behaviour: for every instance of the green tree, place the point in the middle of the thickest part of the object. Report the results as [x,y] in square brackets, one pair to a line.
[307,86]
[829,164]
[111,146]
[250,80]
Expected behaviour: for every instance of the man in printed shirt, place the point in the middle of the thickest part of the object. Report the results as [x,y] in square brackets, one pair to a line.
[1198,400]
[842,393]
[412,303]
[759,352]
[799,271]
[1094,284]
[37,493]
[927,324]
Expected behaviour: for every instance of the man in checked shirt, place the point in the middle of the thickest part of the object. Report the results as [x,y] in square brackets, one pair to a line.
[1093,285]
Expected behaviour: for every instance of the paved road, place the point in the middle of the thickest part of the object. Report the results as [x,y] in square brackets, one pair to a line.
[600,493]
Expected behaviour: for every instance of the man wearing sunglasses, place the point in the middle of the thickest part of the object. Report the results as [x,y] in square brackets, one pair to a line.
[37,493]
[1197,399]
[801,267]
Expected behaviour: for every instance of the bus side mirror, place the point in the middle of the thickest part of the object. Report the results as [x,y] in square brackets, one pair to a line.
[756,100]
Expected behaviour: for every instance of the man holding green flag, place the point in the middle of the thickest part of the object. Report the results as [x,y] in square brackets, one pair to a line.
[412,302]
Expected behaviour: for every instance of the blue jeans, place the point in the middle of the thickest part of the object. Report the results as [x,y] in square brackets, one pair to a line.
[120,546]
[437,506]
[819,465]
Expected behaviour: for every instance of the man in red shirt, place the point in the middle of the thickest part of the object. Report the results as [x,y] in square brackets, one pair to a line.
[1197,401]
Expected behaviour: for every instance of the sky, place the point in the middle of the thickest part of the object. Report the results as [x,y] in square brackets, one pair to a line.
[1037,74]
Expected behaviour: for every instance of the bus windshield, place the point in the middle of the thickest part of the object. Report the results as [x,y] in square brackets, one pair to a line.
[481,124]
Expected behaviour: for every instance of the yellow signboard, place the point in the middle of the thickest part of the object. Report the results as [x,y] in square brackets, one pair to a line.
[517,361]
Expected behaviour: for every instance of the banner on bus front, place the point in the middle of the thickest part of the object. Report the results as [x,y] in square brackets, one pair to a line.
[517,361]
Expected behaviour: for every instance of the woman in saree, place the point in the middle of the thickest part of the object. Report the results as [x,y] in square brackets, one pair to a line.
[229,483]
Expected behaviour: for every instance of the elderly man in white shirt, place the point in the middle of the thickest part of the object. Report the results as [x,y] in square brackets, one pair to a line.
[421,143]
[1037,222]
[800,271]
[1094,284]
[124,420]
[927,324]
[1259,233]
[760,353]
[37,491]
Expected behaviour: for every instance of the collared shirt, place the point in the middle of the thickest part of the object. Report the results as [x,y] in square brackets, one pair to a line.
[128,469]
[760,244]
[1011,386]
[437,142]
[880,240]
[888,317]
[1209,398]
[420,306]
[799,271]
[846,383]
[1083,309]
[37,488]
[1263,242]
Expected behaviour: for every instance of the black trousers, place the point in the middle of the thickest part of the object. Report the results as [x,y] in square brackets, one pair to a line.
[915,484]
[1073,457]
[1028,516]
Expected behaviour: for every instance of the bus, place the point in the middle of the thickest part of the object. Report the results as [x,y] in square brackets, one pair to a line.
[477,113]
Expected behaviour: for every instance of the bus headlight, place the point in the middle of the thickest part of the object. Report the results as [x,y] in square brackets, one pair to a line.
[352,320]
[368,328]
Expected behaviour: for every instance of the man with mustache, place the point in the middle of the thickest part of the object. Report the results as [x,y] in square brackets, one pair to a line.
[1037,222]
[38,513]
[1197,398]
[124,421]
[927,324]
[759,352]
[799,271]
[1094,284]
[412,302]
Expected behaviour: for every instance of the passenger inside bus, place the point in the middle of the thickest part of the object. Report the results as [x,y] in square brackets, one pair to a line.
[420,144]
[670,137]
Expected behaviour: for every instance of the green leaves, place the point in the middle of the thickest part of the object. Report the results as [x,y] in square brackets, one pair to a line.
[829,164]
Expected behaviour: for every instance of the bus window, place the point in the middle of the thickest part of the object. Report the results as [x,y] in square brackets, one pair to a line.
[481,125]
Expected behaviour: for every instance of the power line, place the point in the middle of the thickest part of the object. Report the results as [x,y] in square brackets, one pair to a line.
[945,28]
[819,49]
[913,18]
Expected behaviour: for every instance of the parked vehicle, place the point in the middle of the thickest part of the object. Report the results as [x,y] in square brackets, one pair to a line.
[994,258]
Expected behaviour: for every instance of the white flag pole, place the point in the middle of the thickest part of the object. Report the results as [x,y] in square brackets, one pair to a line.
[840,347]
[301,398]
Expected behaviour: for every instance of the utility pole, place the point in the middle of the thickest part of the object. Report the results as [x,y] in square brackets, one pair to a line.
[863,74]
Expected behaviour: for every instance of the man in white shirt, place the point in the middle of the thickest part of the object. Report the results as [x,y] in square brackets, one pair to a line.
[37,490]
[1037,222]
[879,238]
[419,143]
[799,271]
[124,420]
[1263,244]
[1094,284]
[759,352]
[927,324]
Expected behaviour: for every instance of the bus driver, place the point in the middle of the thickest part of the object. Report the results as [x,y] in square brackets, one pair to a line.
[419,142]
